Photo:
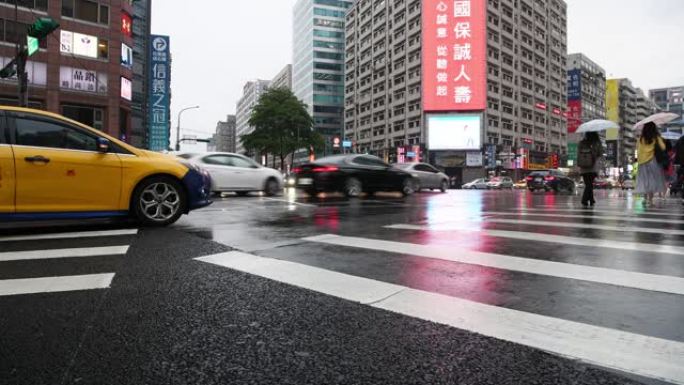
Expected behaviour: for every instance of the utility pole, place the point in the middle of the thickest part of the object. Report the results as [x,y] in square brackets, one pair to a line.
[178,129]
[22,76]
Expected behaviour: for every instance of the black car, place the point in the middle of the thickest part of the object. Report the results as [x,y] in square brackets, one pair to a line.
[352,175]
[550,180]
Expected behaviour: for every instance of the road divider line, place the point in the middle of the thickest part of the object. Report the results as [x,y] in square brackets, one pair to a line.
[84,252]
[84,234]
[549,238]
[626,212]
[55,284]
[646,356]
[599,217]
[575,225]
[641,281]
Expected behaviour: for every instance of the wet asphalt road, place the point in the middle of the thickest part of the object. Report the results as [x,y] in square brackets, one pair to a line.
[156,315]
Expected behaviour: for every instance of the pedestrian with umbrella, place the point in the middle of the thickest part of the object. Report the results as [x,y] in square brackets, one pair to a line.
[590,156]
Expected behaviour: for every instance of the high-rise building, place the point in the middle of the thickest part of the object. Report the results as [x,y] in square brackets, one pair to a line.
[669,99]
[250,97]
[416,81]
[283,79]
[142,10]
[625,105]
[318,62]
[224,139]
[586,92]
[84,70]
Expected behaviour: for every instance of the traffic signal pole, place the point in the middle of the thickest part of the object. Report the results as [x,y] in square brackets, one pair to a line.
[20,61]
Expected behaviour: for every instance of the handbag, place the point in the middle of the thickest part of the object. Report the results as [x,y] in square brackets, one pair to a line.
[661,156]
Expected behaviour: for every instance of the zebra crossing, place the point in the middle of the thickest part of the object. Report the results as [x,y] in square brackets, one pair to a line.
[22,257]
[626,256]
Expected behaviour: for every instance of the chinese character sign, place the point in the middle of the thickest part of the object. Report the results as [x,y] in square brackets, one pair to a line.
[454,55]
[574,115]
[574,85]
[159,101]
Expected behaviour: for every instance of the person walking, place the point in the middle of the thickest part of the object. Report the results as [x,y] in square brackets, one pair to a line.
[590,160]
[651,177]
[679,162]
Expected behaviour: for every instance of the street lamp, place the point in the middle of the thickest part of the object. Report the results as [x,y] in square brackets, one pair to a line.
[178,129]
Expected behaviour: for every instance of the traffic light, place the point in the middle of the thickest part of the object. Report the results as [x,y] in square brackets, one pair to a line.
[42,27]
[9,71]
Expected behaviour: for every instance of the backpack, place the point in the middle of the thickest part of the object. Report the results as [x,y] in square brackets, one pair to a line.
[585,156]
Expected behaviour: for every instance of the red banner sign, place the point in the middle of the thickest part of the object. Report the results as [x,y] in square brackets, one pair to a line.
[574,115]
[454,55]
[126,24]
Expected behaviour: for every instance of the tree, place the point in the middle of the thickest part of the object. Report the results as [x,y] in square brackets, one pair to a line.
[282,125]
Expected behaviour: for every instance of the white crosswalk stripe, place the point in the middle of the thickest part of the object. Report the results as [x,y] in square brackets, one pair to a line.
[597,217]
[659,283]
[54,284]
[630,229]
[548,238]
[629,352]
[623,213]
[74,235]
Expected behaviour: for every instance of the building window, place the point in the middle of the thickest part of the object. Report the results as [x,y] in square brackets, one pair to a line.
[86,10]
[40,5]
[8,35]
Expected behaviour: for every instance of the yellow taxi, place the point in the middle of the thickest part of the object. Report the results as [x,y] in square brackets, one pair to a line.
[52,167]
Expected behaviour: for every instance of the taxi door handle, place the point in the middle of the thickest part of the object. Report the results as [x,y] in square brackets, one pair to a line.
[37,159]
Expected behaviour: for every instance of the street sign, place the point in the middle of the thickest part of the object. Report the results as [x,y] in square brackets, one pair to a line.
[32,45]
[336,142]
[347,144]
[190,139]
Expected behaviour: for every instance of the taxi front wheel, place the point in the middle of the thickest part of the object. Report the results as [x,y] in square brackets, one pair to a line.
[158,201]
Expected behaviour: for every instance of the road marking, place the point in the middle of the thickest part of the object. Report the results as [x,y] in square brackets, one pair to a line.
[85,234]
[628,352]
[641,281]
[361,290]
[625,212]
[607,218]
[630,229]
[63,253]
[55,284]
[550,238]
[289,202]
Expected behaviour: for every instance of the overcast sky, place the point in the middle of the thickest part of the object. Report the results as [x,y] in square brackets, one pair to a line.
[217,46]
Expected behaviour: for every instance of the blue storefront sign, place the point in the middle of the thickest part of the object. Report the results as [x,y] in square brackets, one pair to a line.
[574,85]
[491,156]
[159,98]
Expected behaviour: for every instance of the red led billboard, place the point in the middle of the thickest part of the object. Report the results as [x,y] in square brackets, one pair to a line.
[454,55]
[126,24]
[574,115]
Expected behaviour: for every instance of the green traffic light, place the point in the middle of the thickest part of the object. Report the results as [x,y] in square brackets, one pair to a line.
[42,27]
[32,45]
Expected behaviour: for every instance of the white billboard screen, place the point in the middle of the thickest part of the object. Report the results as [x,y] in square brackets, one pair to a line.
[126,89]
[454,132]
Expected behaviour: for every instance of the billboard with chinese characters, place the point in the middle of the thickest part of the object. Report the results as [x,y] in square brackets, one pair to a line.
[574,85]
[613,107]
[574,115]
[126,24]
[78,44]
[79,79]
[454,132]
[454,55]
[159,98]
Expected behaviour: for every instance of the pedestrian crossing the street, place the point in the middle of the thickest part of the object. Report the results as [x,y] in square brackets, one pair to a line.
[64,251]
[619,254]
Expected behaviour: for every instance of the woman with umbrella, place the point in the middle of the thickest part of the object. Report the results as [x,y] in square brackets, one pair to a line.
[651,177]
[590,156]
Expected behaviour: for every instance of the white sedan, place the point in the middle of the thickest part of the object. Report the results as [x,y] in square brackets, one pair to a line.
[236,173]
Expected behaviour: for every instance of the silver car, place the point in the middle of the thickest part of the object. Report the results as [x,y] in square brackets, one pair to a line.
[236,173]
[425,176]
[477,184]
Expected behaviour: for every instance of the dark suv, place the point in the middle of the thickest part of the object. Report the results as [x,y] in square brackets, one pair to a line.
[550,180]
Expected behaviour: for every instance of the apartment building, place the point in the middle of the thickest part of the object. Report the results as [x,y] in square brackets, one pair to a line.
[387,79]
[251,93]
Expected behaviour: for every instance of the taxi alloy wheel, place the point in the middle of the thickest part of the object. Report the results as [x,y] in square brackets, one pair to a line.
[159,201]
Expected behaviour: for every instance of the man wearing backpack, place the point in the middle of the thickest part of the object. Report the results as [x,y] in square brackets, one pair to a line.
[589,160]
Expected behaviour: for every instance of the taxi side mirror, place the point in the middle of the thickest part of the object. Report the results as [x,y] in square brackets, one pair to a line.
[102,145]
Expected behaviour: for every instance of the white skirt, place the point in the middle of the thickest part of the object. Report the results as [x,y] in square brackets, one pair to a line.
[651,178]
